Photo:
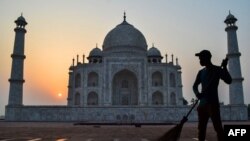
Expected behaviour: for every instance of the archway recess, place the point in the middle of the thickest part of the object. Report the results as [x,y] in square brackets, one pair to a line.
[125,88]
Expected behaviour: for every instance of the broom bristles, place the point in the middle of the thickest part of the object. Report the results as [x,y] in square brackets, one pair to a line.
[172,135]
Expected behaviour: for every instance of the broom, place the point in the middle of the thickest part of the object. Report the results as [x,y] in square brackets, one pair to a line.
[174,133]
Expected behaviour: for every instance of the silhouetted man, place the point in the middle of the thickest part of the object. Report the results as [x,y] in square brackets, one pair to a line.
[209,106]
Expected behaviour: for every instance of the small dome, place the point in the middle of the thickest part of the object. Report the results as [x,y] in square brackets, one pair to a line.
[21,20]
[230,18]
[154,52]
[95,52]
[126,35]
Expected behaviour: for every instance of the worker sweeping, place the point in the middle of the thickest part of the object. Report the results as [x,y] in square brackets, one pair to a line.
[209,107]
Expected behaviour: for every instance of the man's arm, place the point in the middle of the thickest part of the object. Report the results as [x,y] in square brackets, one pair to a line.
[195,86]
[225,76]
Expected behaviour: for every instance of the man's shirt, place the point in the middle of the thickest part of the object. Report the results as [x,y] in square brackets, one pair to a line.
[209,78]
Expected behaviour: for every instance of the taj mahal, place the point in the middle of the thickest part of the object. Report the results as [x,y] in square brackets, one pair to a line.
[125,73]
[125,81]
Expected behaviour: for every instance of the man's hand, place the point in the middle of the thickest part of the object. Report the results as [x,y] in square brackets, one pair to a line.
[224,63]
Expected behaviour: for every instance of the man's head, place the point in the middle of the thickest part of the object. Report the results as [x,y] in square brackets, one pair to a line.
[205,57]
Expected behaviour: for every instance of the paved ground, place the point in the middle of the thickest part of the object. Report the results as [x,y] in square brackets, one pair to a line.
[37,131]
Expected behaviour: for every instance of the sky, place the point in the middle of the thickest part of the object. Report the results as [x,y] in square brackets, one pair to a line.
[58,30]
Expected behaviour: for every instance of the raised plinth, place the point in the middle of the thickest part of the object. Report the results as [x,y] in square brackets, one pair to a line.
[108,114]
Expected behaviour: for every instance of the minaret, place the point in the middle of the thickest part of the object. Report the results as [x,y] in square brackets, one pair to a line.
[235,89]
[179,84]
[16,79]
[70,86]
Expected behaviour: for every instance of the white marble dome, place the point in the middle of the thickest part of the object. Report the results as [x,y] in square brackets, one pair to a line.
[125,35]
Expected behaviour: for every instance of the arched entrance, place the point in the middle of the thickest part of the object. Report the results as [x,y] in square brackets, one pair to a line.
[157,98]
[92,98]
[125,88]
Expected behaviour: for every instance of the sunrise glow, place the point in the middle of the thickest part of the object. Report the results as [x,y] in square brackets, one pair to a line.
[59,95]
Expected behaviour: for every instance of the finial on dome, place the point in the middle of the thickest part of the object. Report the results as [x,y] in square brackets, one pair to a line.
[153,45]
[96,45]
[22,14]
[124,16]
[229,12]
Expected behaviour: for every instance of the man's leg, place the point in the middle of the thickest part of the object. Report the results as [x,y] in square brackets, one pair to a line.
[203,119]
[216,119]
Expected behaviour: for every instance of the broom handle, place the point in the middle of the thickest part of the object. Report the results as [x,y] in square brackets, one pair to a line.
[196,101]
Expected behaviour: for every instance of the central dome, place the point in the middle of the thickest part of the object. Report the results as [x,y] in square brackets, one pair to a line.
[124,35]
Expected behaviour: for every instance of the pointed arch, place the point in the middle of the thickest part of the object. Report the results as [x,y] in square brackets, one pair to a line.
[92,79]
[92,98]
[157,98]
[78,80]
[172,80]
[157,79]
[173,98]
[77,99]
[125,88]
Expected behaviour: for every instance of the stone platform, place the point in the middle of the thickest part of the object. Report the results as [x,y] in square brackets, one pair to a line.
[116,114]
